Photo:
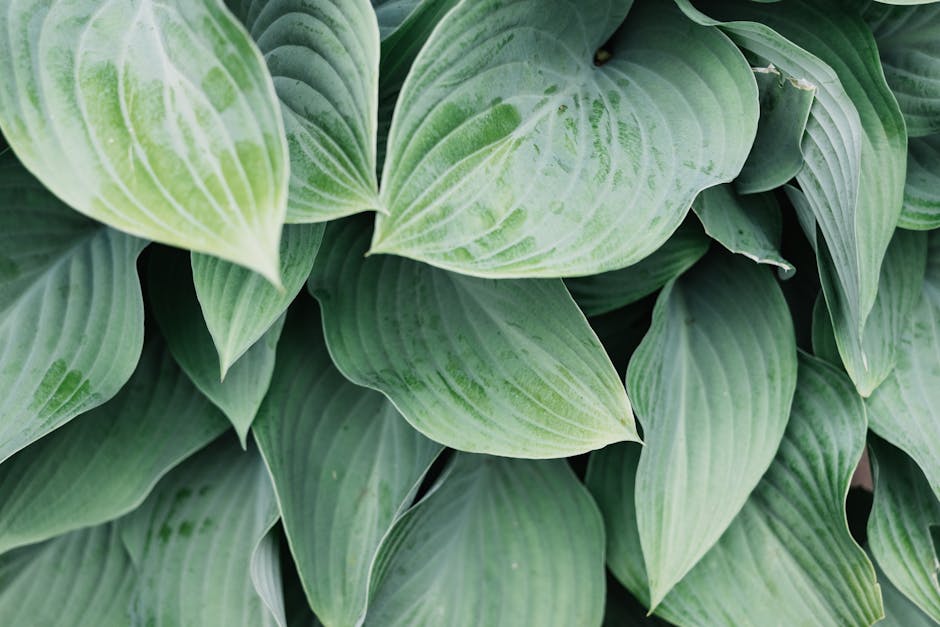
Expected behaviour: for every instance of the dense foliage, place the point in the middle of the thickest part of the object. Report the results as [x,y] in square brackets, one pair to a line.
[476,312]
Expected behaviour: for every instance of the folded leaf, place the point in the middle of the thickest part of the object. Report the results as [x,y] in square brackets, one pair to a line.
[324,58]
[712,384]
[904,510]
[922,186]
[71,311]
[392,13]
[345,464]
[899,610]
[496,542]
[104,463]
[512,154]
[503,367]
[156,118]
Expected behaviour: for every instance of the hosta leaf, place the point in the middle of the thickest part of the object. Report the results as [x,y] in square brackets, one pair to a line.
[601,293]
[823,338]
[324,58]
[498,541]
[909,45]
[356,470]
[788,552]
[905,409]
[513,154]
[504,367]
[71,312]
[899,610]
[777,155]
[712,384]
[266,574]
[239,306]
[748,225]
[192,541]
[904,510]
[156,118]
[392,13]
[176,309]
[922,186]
[82,579]
[104,463]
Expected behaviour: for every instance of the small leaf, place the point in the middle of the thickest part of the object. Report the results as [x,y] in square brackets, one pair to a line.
[357,469]
[497,541]
[71,311]
[324,58]
[391,14]
[712,384]
[156,118]
[922,186]
[505,163]
[503,367]
[104,463]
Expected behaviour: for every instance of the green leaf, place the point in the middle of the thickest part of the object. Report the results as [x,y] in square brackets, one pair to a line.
[899,610]
[104,463]
[904,510]
[356,471]
[909,45]
[823,337]
[503,367]
[192,541]
[777,155]
[922,186]
[324,58]
[497,541]
[82,579]
[177,312]
[156,118]
[905,409]
[602,293]
[788,554]
[266,574]
[747,225]
[712,383]
[71,311]
[393,13]
[239,306]
[505,163]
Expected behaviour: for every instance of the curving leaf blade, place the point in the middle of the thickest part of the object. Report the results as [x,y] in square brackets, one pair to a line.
[922,185]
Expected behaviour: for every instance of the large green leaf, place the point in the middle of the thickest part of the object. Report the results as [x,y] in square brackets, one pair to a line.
[899,610]
[712,384]
[71,312]
[502,367]
[788,558]
[177,312]
[904,511]
[747,225]
[513,154]
[909,45]
[324,58]
[356,470]
[605,292]
[82,579]
[922,186]
[156,118]
[104,463]
[193,539]
[905,409]
[497,541]
[239,306]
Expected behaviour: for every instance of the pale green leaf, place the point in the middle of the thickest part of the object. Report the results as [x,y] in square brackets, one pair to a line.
[193,539]
[502,367]
[324,58]
[899,610]
[156,118]
[909,45]
[239,306]
[104,463]
[392,13]
[177,312]
[777,155]
[71,311]
[904,510]
[905,409]
[711,383]
[82,579]
[512,154]
[497,541]
[747,225]
[922,186]
[343,487]
[605,292]
[266,574]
